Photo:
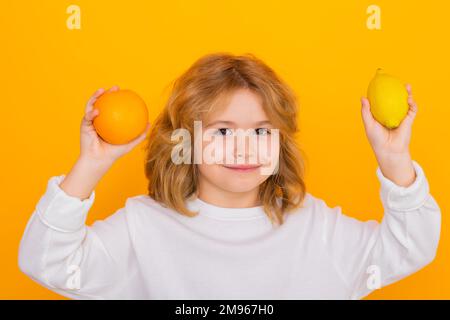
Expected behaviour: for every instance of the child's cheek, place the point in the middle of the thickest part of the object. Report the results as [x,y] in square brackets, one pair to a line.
[268,153]
[212,152]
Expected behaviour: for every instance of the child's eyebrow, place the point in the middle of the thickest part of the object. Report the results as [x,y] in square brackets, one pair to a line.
[232,123]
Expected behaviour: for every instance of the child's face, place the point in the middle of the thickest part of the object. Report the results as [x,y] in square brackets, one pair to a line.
[238,167]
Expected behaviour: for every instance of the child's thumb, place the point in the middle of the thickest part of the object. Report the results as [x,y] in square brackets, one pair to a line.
[366,114]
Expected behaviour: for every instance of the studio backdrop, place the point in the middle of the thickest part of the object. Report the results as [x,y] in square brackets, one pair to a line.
[55,54]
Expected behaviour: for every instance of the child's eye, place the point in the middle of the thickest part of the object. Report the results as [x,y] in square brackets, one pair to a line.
[262,131]
[224,132]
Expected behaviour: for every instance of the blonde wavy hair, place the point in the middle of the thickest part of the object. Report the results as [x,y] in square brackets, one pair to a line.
[207,84]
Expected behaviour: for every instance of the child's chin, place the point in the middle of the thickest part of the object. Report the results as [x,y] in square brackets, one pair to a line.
[239,186]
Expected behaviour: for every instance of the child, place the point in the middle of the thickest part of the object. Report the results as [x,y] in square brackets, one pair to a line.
[226,230]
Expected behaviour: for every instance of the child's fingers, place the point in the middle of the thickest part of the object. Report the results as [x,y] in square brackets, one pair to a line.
[412,104]
[409,89]
[89,116]
[410,116]
[366,113]
[114,88]
[95,95]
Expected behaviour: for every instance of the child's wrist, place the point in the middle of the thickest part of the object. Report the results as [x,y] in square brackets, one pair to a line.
[91,163]
[398,168]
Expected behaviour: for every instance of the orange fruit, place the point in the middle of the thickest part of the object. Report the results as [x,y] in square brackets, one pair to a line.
[123,116]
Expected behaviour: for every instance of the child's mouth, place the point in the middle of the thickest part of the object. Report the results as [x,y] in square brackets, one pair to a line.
[242,168]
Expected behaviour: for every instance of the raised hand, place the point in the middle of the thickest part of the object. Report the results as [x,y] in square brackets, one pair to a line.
[391,146]
[92,146]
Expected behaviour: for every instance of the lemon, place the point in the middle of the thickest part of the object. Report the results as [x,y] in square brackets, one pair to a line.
[388,99]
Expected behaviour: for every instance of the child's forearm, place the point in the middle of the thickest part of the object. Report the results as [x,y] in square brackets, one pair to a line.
[83,177]
[398,168]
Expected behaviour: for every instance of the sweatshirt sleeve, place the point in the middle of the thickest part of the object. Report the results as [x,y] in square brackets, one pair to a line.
[59,251]
[370,255]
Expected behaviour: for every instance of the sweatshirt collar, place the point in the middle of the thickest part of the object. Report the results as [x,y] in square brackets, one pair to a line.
[224,213]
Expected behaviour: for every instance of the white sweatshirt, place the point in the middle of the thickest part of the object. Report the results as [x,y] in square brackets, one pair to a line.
[147,251]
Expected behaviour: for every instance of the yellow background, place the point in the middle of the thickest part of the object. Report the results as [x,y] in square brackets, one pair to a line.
[323,49]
